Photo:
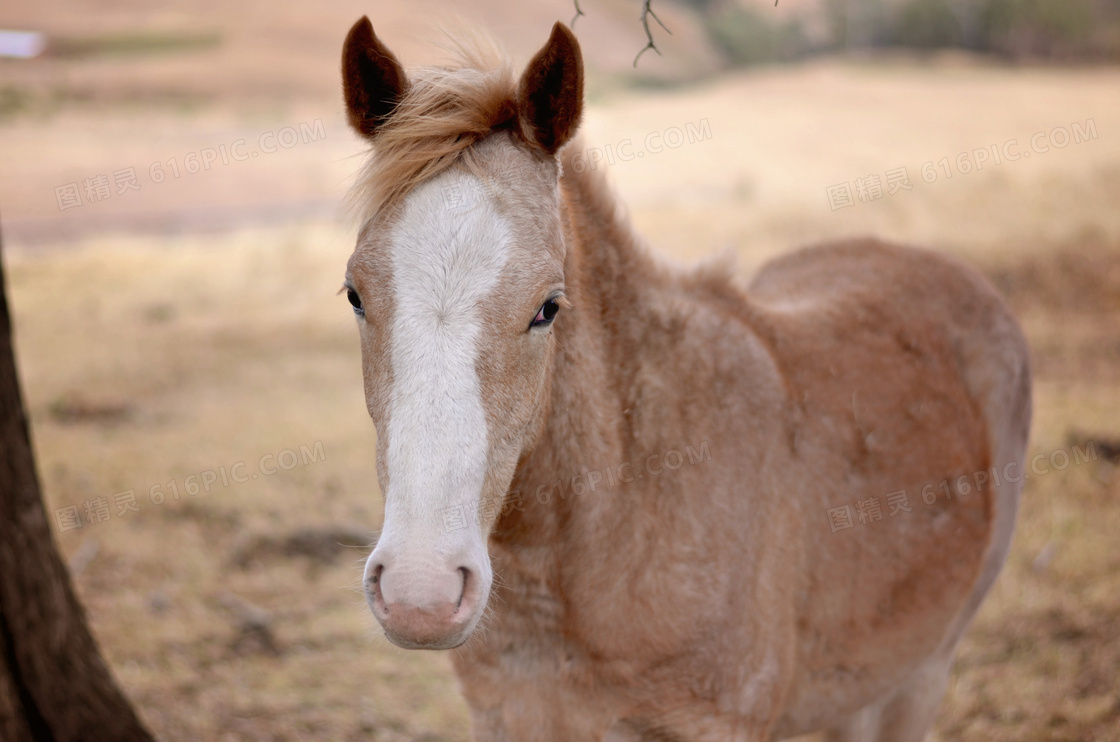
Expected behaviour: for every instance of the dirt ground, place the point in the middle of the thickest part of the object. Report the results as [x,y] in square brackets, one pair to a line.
[184,342]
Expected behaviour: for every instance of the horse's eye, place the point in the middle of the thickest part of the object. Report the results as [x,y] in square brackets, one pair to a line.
[355,300]
[546,314]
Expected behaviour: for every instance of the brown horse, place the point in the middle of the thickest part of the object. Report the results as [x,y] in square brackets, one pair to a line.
[682,509]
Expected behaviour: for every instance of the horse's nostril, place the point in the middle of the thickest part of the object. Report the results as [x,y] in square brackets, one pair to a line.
[374,577]
[373,590]
[466,580]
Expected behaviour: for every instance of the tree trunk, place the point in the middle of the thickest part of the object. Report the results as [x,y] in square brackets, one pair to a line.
[54,685]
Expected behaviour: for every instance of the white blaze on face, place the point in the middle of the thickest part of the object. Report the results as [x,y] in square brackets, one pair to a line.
[448,250]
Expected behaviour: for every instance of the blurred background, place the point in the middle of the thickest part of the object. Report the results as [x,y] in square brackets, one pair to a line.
[171,184]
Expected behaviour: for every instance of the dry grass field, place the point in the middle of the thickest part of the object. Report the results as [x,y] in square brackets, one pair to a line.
[188,334]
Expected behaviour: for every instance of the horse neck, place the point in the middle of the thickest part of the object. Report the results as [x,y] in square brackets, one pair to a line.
[608,275]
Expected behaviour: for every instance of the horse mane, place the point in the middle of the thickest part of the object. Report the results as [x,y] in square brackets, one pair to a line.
[444,111]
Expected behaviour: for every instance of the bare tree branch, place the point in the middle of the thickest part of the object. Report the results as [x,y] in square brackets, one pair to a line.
[647,13]
[579,12]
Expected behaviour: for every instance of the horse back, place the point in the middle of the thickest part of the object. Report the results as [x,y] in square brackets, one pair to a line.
[908,395]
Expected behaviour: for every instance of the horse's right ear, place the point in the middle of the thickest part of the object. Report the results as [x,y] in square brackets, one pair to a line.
[373,81]
[550,94]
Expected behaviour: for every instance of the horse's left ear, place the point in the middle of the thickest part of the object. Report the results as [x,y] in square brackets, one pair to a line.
[373,81]
[550,95]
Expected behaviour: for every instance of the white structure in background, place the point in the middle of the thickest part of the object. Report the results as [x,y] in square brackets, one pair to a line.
[21,44]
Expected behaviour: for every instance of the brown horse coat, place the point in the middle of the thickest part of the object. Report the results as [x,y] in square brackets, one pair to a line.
[707,512]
